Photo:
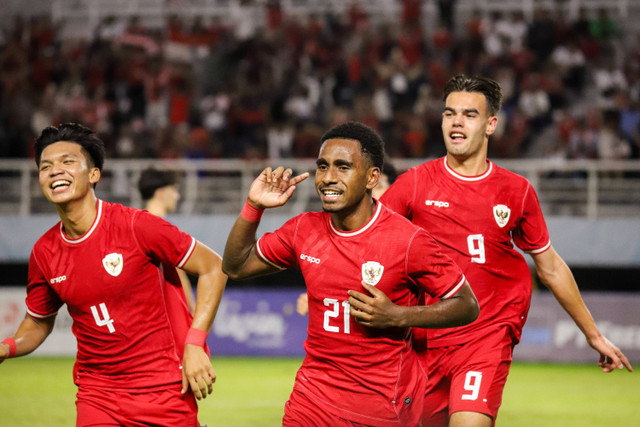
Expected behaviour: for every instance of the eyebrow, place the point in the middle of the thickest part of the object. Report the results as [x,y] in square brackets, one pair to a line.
[466,110]
[338,162]
[61,157]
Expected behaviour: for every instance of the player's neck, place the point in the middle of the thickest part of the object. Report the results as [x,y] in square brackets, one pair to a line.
[468,166]
[156,207]
[350,219]
[78,216]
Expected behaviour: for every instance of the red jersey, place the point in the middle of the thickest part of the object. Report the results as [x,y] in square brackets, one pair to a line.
[476,220]
[128,319]
[358,373]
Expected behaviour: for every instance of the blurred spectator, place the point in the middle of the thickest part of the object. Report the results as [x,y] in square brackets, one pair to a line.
[609,80]
[611,146]
[583,139]
[534,102]
[261,81]
[571,65]
[446,13]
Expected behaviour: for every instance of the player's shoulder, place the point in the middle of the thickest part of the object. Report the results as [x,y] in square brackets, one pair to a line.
[49,237]
[398,222]
[118,215]
[428,166]
[116,209]
[508,174]
[305,221]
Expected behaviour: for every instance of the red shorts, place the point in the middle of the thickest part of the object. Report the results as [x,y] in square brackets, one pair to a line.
[299,411]
[160,407]
[467,377]
[302,411]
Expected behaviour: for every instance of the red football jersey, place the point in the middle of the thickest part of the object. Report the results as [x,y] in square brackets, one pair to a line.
[361,374]
[129,322]
[476,220]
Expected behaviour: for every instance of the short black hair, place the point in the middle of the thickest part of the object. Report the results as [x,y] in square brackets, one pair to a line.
[484,85]
[371,143]
[151,179]
[72,132]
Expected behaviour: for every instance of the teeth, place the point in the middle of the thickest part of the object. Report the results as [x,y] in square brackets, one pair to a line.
[60,183]
[457,135]
[330,193]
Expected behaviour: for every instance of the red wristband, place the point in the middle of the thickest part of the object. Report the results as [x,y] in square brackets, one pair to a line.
[250,212]
[12,346]
[196,337]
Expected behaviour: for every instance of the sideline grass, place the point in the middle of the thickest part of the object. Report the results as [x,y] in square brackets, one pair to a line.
[250,392]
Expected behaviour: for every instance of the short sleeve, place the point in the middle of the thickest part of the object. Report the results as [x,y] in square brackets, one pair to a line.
[398,197]
[42,301]
[277,248]
[161,240]
[531,234]
[431,269]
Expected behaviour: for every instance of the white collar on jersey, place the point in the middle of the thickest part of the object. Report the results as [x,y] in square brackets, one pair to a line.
[88,233]
[468,178]
[361,229]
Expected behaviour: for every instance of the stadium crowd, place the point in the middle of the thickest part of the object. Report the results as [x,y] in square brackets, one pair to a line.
[260,83]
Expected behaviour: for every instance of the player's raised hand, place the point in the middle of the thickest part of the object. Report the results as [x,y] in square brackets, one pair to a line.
[272,188]
[611,358]
[376,311]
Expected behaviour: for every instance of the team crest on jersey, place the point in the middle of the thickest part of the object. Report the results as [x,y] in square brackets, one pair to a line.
[113,264]
[372,272]
[501,214]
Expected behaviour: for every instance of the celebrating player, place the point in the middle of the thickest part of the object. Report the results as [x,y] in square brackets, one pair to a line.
[474,209]
[142,357]
[355,370]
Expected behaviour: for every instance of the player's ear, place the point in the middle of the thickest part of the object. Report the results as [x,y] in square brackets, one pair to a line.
[373,175]
[492,123]
[94,175]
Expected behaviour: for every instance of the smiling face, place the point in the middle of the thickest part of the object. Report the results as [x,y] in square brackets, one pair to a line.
[466,125]
[343,175]
[66,173]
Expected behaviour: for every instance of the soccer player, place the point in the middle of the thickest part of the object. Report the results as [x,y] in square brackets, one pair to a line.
[141,356]
[159,190]
[354,372]
[387,176]
[474,210]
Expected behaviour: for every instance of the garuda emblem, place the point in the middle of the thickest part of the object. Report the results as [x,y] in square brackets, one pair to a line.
[501,214]
[372,272]
[113,264]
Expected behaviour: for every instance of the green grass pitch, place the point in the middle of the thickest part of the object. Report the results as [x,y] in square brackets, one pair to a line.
[38,391]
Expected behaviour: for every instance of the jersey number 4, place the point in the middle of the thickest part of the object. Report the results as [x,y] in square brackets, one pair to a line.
[334,312]
[105,320]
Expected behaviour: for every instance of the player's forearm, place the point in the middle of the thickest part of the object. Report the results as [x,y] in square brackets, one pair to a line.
[459,310]
[30,334]
[237,250]
[209,294]
[188,292]
[556,275]
[565,290]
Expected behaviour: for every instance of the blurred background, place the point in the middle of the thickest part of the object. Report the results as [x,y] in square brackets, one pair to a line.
[217,89]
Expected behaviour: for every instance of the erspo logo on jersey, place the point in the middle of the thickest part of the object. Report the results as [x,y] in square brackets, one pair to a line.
[58,279]
[436,203]
[310,259]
